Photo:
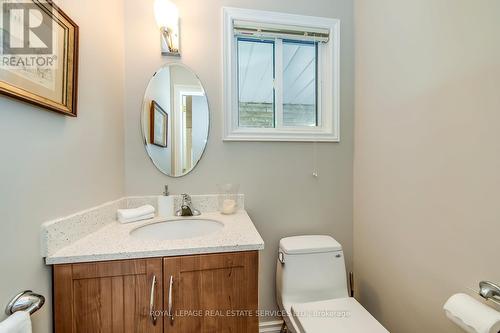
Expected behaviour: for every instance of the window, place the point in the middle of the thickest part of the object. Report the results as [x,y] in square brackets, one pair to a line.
[281,77]
[256,83]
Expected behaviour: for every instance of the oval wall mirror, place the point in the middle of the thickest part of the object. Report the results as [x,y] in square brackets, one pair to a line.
[175,120]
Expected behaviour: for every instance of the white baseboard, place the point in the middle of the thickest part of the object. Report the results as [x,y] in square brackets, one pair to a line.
[273,326]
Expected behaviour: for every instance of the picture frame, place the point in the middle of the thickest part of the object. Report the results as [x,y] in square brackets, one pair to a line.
[158,125]
[41,67]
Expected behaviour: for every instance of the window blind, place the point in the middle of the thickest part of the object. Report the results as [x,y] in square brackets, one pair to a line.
[272,31]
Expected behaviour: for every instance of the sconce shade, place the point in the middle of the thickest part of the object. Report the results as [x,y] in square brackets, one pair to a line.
[166,14]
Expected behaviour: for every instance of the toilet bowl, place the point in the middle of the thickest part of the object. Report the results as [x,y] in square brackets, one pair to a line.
[311,288]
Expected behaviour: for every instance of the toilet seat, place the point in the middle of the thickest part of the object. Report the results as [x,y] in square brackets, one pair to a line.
[342,315]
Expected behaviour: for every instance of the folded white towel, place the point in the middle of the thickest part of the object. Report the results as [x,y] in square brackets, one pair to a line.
[139,218]
[135,214]
[19,322]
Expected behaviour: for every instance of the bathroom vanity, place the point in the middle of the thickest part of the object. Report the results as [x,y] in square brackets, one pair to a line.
[162,275]
[198,293]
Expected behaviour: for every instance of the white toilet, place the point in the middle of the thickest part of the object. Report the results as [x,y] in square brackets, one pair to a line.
[311,288]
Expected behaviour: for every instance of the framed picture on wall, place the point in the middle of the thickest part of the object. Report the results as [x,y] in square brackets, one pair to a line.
[39,55]
[158,125]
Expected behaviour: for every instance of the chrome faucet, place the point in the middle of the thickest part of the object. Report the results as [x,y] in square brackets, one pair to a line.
[187,208]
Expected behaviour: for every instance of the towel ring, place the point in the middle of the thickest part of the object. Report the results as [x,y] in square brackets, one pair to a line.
[25,301]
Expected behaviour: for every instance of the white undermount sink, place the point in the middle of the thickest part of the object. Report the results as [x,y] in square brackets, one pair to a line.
[177,229]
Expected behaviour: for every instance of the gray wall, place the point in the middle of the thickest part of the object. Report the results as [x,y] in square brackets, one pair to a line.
[427,180]
[52,165]
[282,197]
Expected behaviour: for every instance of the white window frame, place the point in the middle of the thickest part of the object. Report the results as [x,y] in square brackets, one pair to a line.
[328,129]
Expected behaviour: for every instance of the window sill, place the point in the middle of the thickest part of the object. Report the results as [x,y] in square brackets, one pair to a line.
[281,136]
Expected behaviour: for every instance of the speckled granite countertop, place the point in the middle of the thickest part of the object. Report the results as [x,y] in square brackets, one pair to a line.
[113,241]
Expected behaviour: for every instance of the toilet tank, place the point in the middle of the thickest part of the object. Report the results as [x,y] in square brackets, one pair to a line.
[310,268]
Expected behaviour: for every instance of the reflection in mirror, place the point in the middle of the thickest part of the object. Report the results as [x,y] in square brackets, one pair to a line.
[175,120]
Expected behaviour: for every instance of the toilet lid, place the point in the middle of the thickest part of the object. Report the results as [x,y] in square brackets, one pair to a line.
[342,315]
[309,244]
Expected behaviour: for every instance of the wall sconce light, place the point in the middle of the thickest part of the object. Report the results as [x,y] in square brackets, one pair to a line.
[167,18]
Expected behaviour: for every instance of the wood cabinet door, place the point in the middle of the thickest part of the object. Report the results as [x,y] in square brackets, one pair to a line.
[214,293]
[108,297]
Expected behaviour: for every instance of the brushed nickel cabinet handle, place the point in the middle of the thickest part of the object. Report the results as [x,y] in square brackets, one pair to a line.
[152,301]
[170,305]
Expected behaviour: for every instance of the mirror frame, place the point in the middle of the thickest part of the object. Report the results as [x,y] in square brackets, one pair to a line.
[143,105]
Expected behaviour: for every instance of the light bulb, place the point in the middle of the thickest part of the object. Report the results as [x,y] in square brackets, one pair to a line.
[166,14]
